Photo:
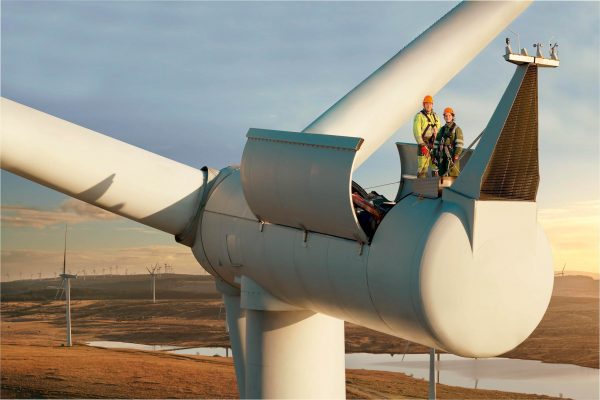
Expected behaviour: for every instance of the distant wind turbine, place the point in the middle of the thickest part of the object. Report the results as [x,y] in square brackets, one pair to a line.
[153,273]
[65,286]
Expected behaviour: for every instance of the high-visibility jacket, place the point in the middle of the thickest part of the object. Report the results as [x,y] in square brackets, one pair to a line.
[449,142]
[423,125]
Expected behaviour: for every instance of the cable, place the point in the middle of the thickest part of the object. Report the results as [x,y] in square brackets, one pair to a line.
[383,184]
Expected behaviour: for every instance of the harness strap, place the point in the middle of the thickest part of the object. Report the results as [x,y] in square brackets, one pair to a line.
[429,126]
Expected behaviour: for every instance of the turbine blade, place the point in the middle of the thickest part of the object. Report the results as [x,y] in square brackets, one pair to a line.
[47,150]
[60,290]
[390,96]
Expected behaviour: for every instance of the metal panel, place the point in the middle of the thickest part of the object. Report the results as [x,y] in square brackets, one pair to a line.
[408,166]
[302,181]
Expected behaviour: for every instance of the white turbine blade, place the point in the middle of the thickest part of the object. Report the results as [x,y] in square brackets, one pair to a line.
[111,174]
[379,105]
[60,290]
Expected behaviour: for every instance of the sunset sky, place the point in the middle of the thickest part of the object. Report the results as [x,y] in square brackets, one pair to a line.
[187,79]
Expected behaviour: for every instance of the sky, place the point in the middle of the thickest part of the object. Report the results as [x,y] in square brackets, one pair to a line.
[187,80]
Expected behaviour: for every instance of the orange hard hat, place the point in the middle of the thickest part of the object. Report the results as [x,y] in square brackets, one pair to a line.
[428,99]
[448,110]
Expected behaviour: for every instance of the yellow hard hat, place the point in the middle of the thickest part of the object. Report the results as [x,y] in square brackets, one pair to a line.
[428,99]
[448,110]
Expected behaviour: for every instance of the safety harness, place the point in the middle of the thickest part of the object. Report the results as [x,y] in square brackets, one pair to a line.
[446,148]
[430,125]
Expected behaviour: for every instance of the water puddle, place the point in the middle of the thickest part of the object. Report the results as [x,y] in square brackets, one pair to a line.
[506,374]
[194,351]
[511,375]
[124,345]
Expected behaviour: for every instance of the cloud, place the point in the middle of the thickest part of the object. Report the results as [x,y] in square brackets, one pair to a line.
[573,231]
[22,263]
[71,211]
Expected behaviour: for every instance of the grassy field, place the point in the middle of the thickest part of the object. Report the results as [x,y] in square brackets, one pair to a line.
[190,313]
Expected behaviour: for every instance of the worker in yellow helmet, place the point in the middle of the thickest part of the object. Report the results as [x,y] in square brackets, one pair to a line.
[447,147]
[425,128]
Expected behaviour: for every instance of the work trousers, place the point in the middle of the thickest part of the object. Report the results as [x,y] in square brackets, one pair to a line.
[423,164]
[443,165]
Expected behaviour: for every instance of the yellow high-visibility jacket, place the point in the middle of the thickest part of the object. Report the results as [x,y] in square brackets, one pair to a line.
[422,126]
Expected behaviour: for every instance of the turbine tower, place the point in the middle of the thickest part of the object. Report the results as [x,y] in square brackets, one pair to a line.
[65,287]
[436,269]
[153,273]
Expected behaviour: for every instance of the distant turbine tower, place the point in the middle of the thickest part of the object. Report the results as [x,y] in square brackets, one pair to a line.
[152,273]
[66,284]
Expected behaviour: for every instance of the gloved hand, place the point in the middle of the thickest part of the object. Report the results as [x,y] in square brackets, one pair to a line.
[424,150]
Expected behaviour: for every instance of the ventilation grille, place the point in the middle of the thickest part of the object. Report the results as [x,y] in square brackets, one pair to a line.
[513,171]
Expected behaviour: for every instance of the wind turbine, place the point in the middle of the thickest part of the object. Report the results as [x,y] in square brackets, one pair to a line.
[562,272]
[65,287]
[280,232]
[153,273]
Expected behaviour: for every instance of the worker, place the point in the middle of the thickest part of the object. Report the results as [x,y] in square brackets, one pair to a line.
[425,128]
[447,147]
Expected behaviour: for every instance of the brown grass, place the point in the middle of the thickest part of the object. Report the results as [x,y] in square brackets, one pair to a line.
[34,365]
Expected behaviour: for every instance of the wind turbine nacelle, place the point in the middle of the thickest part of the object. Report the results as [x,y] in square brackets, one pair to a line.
[421,278]
[468,271]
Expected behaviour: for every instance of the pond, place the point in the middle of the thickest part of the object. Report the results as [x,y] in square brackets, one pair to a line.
[511,375]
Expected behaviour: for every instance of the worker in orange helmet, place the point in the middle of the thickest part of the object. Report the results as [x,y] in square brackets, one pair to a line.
[447,147]
[425,127]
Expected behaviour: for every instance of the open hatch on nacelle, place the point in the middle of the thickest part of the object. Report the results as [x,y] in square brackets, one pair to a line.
[370,208]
